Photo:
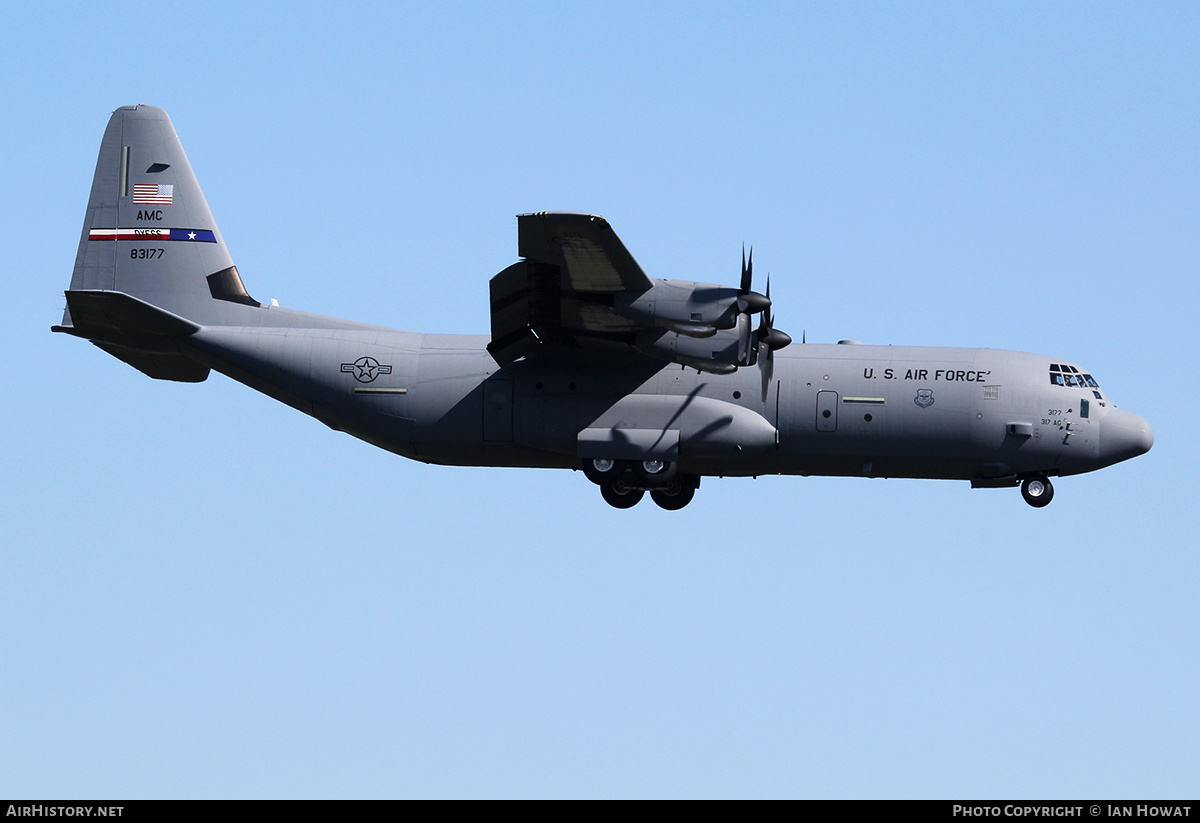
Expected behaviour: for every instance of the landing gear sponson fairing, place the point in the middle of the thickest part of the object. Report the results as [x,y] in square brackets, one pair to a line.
[645,385]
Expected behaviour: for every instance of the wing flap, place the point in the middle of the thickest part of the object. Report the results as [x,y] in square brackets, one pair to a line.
[512,332]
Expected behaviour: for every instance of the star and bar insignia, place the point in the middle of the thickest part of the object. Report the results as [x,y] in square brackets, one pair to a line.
[366,369]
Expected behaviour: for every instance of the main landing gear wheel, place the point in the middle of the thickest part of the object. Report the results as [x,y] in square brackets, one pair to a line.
[655,472]
[1037,491]
[674,496]
[602,470]
[620,495]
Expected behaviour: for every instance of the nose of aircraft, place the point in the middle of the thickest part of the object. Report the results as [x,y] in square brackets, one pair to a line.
[1124,435]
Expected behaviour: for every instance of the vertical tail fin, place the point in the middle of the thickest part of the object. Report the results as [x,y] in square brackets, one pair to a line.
[148,231]
[151,267]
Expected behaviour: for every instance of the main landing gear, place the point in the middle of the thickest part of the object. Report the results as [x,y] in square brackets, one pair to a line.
[623,482]
[1037,491]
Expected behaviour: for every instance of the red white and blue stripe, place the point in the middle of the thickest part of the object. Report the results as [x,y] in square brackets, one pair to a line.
[186,235]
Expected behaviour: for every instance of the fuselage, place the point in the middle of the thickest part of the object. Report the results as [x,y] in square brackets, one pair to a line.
[845,409]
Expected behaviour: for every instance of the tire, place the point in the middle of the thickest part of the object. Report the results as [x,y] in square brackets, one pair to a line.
[620,496]
[655,472]
[675,495]
[601,470]
[1037,491]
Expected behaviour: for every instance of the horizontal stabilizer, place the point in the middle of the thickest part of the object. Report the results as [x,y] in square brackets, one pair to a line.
[113,316]
[159,365]
[144,336]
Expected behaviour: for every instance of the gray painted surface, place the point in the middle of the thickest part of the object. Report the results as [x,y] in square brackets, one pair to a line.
[592,360]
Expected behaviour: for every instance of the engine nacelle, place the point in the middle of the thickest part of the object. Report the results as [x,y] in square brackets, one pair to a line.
[720,353]
[691,309]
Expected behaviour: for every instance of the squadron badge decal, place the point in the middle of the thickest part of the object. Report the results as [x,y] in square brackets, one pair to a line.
[924,398]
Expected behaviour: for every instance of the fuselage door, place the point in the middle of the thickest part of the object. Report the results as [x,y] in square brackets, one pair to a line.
[827,407]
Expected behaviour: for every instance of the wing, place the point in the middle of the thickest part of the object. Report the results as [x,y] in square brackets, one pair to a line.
[578,286]
[562,292]
[584,247]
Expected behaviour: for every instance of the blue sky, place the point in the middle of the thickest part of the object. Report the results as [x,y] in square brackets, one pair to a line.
[207,594]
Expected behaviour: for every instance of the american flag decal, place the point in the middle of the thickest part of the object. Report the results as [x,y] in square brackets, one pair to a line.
[153,194]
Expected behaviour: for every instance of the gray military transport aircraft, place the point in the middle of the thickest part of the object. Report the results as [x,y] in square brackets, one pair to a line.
[644,384]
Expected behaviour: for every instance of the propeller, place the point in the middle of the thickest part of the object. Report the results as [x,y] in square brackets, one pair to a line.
[768,336]
[748,302]
[768,339]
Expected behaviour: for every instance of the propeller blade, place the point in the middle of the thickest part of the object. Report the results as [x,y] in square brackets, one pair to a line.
[768,335]
[747,270]
[769,339]
[745,341]
[766,367]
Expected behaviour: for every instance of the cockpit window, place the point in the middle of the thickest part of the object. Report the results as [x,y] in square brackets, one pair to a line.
[1070,377]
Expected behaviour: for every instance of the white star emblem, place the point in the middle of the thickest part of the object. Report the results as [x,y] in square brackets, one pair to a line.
[366,369]
[191,235]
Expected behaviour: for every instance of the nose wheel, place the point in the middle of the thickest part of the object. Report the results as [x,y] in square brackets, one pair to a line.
[1037,491]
